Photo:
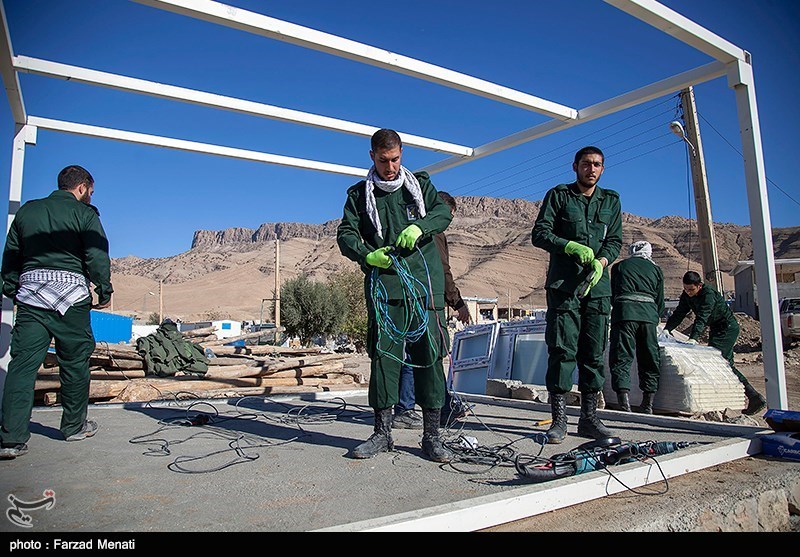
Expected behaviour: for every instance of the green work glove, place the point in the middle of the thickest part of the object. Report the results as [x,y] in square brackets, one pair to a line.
[585,254]
[378,258]
[594,278]
[409,236]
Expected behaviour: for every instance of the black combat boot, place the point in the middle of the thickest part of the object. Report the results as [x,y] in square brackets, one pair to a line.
[432,445]
[558,409]
[380,441]
[589,425]
[646,407]
[755,402]
[623,401]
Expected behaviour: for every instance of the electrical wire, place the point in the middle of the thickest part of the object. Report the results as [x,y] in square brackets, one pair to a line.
[580,460]
[417,298]
[205,420]
[564,146]
[741,155]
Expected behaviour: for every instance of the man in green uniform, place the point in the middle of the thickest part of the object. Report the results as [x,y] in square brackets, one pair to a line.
[637,302]
[388,227]
[580,225]
[55,248]
[710,310]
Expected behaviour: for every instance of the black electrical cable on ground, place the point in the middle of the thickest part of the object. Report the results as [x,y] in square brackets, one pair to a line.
[208,425]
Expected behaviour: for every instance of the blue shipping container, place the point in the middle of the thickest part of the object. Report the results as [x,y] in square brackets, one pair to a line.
[110,327]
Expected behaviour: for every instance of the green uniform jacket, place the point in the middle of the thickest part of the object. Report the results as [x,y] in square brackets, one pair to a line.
[710,310]
[57,232]
[167,352]
[567,215]
[632,278]
[357,236]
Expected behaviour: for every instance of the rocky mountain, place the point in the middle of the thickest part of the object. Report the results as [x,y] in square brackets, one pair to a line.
[231,273]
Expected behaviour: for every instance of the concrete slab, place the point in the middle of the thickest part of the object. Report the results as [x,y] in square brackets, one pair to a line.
[279,464]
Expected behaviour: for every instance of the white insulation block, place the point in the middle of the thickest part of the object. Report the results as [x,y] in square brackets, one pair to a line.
[694,379]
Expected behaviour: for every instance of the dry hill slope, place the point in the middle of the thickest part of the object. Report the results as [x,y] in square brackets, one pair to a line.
[227,273]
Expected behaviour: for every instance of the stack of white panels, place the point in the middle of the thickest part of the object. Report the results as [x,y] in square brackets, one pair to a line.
[694,379]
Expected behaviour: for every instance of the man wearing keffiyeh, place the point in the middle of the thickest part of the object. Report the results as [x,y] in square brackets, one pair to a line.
[56,247]
[637,300]
[394,209]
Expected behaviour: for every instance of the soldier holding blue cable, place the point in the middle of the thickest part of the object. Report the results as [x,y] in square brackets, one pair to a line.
[388,227]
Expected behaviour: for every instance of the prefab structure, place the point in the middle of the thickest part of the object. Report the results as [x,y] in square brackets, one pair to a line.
[730,62]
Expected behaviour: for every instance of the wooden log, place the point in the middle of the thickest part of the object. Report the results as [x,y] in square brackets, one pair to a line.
[126,361]
[111,389]
[130,396]
[97,375]
[115,364]
[357,376]
[265,349]
[117,350]
[320,370]
[265,371]
[254,334]
[205,331]
[267,367]
[232,361]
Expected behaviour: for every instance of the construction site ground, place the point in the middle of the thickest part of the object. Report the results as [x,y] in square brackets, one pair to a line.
[280,464]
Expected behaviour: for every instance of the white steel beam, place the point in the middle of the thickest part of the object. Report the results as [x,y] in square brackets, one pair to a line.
[741,80]
[123,83]
[24,136]
[484,512]
[680,27]
[672,84]
[9,76]
[251,22]
[184,145]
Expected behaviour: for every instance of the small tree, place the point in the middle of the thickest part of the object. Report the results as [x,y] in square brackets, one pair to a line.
[354,325]
[310,308]
[153,319]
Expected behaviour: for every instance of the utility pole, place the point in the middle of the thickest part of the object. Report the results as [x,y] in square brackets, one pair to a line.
[160,301]
[277,283]
[509,304]
[705,224]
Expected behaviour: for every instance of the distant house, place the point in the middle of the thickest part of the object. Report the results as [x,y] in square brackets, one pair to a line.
[482,310]
[787,273]
[224,327]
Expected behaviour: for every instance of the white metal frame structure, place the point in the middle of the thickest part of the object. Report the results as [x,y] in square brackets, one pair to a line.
[730,61]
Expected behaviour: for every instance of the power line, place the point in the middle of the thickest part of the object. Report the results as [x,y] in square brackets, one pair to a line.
[559,159]
[563,146]
[741,155]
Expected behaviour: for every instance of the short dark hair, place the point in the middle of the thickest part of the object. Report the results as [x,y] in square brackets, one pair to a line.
[449,199]
[73,176]
[692,277]
[386,139]
[589,150]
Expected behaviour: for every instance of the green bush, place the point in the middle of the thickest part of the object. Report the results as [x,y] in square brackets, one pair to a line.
[310,308]
[351,284]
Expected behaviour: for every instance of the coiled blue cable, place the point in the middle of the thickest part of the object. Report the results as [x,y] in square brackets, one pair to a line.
[416,301]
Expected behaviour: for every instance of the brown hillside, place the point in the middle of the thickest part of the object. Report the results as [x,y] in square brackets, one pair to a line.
[227,273]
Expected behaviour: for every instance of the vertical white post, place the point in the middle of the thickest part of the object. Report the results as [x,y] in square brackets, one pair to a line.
[277,284]
[740,78]
[23,135]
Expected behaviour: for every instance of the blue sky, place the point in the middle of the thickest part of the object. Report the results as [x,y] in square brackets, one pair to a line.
[575,52]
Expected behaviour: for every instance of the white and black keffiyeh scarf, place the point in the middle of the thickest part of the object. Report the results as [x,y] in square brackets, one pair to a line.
[52,289]
[404,178]
[642,249]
